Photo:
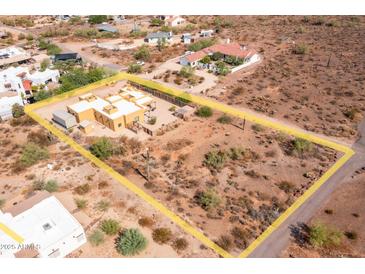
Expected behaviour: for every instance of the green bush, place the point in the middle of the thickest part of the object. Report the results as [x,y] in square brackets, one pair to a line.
[224,119]
[208,199]
[32,153]
[131,242]
[86,33]
[51,186]
[110,226]
[17,110]
[81,203]
[134,68]
[96,238]
[42,95]
[143,53]
[201,44]
[102,148]
[300,49]
[97,19]
[301,145]
[215,159]
[321,235]
[162,235]
[204,111]
[102,205]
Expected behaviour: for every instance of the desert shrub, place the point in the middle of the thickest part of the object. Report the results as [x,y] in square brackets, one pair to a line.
[146,222]
[39,137]
[86,33]
[110,226]
[96,238]
[204,111]
[235,153]
[2,203]
[180,244]
[328,211]
[38,185]
[351,235]
[208,199]
[51,186]
[224,119]
[82,189]
[134,68]
[81,203]
[103,205]
[143,53]
[42,95]
[300,49]
[225,242]
[240,237]
[186,72]
[286,186]
[172,108]
[131,242]
[204,43]
[351,113]
[102,148]
[32,153]
[321,235]
[301,146]
[162,235]
[257,127]
[17,110]
[215,159]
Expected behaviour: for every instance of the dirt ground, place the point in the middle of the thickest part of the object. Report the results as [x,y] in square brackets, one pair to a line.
[320,90]
[344,211]
[252,189]
[71,170]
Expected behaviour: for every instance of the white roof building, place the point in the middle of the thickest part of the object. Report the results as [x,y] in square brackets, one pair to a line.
[48,229]
[43,77]
[11,55]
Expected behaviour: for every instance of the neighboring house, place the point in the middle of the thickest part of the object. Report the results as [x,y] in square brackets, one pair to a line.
[13,55]
[105,27]
[115,112]
[206,33]
[16,86]
[44,77]
[174,21]
[227,50]
[187,38]
[72,56]
[154,37]
[49,230]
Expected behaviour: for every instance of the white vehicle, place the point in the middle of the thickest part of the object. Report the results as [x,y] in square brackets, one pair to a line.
[141,63]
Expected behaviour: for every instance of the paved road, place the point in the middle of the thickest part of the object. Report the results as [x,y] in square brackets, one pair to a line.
[279,239]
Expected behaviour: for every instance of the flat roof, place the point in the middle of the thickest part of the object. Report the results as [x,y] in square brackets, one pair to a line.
[124,108]
[40,220]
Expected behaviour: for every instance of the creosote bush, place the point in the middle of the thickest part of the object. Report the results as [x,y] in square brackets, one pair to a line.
[110,226]
[208,199]
[204,111]
[96,238]
[162,235]
[180,244]
[321,235]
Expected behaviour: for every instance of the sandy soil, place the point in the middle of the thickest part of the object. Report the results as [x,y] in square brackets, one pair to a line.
[344,211]
[70,170]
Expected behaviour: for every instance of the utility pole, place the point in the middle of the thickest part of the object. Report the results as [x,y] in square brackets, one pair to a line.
[148,164]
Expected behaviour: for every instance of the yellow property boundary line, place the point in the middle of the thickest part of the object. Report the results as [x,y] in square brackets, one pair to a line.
[11,233]
[348,152]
